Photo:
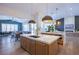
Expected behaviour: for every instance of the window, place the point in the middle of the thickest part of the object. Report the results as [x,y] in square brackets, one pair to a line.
[4,27]
[25,27]
[15,27]
[29,27]
[33,28]
[12,27]
[9,27]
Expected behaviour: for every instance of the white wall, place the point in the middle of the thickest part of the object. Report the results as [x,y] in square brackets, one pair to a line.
[69,21]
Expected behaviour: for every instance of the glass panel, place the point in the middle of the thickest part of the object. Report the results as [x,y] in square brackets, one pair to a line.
[15,27]
[33,28]
[9,27]
[12,27]
[25,27]
[4,27]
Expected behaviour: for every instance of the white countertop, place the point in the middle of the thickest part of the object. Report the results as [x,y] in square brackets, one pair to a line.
[48,39]
[54,33]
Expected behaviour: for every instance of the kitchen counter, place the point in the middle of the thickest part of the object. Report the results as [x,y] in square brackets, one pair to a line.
[48,39]
[54,33]
[42,45]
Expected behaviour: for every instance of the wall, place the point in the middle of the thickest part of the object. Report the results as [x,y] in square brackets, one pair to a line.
[11,22]
[61,26]
[69,23]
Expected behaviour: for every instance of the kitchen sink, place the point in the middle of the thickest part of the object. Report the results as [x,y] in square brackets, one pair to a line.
[34,36]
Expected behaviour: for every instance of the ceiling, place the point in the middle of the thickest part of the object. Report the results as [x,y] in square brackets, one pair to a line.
[30,10]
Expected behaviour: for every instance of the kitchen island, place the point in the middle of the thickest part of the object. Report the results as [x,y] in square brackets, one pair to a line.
[40,45]
[53,33]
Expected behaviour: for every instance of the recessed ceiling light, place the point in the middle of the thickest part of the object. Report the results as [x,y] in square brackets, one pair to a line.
[70,8]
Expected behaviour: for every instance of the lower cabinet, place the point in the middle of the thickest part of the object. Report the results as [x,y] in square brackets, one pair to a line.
[22,42]
[53,48]
[32,47]
[25,43]
[28,45]
[46,49]
[39,48]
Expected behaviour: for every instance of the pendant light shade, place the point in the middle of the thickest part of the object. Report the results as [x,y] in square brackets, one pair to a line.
[31,21]
[47,18]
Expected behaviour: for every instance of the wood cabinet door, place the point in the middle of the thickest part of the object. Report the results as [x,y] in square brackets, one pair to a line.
[25,43]
[53,48]
[41,48]
[32,47]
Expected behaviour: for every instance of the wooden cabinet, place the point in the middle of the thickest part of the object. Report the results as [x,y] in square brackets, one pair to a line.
[28,45]
[46,49]
[32,47]
[35,47]
[53,48]
[41,48]
[25,43]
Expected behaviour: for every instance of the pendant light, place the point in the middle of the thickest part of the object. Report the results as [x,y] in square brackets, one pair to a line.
[47,18]
[31,21]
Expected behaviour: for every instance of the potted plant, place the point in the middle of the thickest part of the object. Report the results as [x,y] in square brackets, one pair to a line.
[50,28]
